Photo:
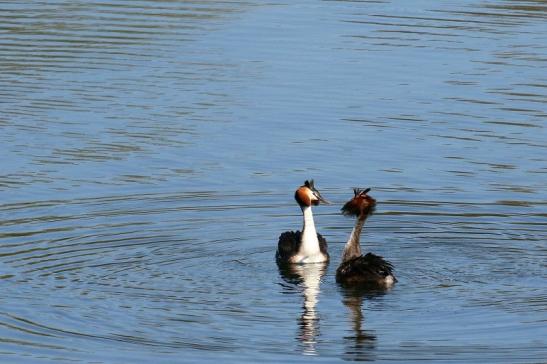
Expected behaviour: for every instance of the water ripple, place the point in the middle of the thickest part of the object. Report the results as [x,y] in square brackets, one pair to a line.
[151,149]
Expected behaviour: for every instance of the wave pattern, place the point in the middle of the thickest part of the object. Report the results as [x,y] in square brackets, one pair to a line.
[120,274]
[149,150]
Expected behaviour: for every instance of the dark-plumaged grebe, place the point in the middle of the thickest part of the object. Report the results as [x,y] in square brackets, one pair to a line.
[306,246]
[369,269]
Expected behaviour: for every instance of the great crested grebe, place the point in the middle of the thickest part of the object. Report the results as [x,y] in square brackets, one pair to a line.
[307,246]
[356,268]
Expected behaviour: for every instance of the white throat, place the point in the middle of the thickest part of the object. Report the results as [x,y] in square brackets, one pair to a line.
[310,243]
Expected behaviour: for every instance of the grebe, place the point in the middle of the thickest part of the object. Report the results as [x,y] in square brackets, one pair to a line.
[307,246]
[355,268]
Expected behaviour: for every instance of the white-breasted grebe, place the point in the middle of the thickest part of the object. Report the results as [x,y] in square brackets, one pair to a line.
[307,246]
[356,268]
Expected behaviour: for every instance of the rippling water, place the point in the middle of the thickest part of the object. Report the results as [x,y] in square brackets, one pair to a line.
[150,150]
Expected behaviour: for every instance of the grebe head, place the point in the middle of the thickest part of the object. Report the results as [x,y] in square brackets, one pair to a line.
[361,205]
[307,195]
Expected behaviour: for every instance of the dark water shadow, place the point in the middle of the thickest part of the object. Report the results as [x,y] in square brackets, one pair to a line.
[308,278]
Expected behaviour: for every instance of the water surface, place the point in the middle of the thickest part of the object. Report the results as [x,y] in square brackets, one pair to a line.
[150,150]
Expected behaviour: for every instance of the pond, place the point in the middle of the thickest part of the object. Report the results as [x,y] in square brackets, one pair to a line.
[151,150]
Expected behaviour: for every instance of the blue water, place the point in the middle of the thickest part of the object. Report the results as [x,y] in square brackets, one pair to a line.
[150,151]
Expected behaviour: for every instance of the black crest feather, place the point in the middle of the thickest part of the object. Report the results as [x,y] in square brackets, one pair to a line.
[309,184]
[358,191]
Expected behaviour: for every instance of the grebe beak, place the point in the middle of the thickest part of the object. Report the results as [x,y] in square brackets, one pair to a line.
[320,198]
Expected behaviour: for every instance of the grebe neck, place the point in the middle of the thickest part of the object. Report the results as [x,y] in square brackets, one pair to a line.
[310,243]
[352,249]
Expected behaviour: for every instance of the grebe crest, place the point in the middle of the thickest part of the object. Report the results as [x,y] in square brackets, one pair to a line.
[360,205]
[358,269]
[306,246]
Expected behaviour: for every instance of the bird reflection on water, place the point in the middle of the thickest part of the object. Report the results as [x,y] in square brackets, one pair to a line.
[308,277]
[361,344]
